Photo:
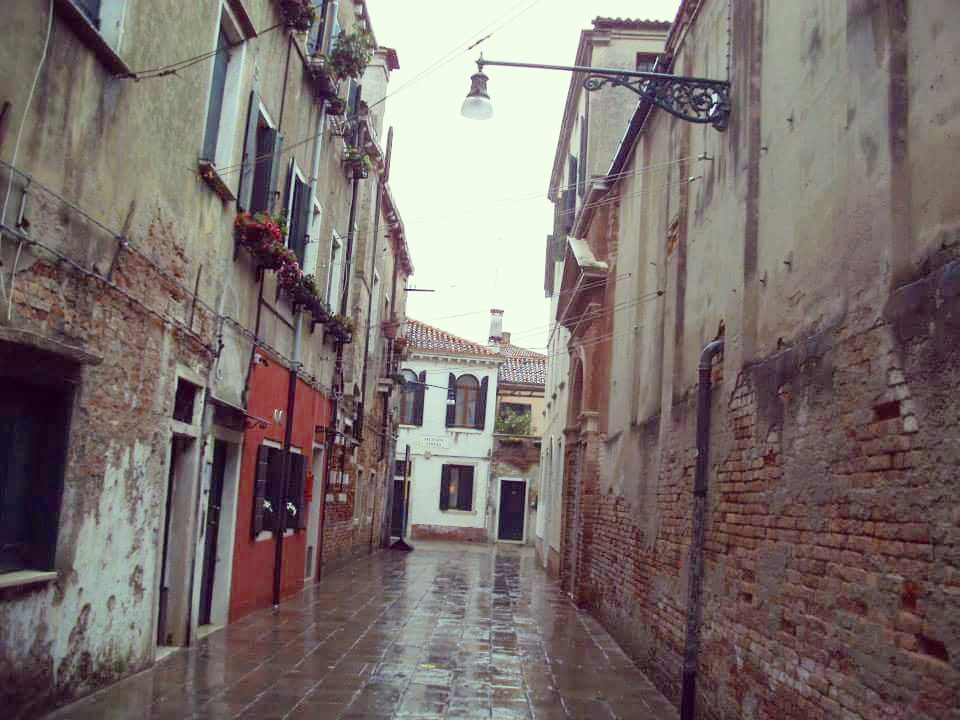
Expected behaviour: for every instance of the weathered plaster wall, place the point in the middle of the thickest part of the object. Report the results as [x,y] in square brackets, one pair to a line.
[802,238]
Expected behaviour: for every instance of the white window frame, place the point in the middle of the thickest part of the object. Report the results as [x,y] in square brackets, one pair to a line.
[375,301]
[335,272]
[112,16]
[295,173]
[311,256]
[230,110]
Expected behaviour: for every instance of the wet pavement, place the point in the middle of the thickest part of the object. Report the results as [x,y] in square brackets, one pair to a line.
[447,631]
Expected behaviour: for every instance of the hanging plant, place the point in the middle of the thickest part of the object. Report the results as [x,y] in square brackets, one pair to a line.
[357,161]
[336,106]
[262,235]
[341,327]
[298,14]
[350,54]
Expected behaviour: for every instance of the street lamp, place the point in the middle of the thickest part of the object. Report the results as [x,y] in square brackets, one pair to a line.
[696,100]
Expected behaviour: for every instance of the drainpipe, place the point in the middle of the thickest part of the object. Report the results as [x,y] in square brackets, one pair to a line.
[287,436]
[331,435]
[373,270]
[691,647]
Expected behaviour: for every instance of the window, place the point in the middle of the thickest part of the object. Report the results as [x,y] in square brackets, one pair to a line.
[375,315]
[107,17]
[398,469]
[570,195]
[411,398]
[470,402]
[33,441]
[335,273]
[268,503]
[514,419]
[299,205]
[456,487]
[315,36]
[261,159]
[222,105]
[646,62]
[313,241]
[582,158]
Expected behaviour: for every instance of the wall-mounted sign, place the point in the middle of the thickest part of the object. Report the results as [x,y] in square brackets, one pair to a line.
[435,442]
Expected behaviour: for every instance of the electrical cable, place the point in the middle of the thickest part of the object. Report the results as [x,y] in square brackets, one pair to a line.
[230,169]
[173,68]
[16,149]
[454,54]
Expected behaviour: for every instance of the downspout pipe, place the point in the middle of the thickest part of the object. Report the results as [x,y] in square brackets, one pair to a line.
[691,647]
[287,437]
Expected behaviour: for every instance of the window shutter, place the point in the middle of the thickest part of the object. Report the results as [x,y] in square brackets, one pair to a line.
[245,193]
[418,396]
[275,168]
[275,468]
[451,393]
[302,205]
[295,491]
[481,419]
[445,487]
[260,489]
[465,488]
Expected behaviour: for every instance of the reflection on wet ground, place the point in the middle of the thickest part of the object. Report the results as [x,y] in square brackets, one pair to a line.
[447,631]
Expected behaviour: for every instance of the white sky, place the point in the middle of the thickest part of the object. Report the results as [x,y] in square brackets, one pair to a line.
[473,194]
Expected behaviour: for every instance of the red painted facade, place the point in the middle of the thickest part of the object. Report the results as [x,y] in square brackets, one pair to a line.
[253,561]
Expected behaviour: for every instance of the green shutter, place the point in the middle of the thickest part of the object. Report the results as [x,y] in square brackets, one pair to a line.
[481,419]
[259,490]
[418,396]
[465,488]
[445,488]
[451,393]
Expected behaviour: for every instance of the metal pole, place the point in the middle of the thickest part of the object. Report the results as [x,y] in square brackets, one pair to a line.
[287,436]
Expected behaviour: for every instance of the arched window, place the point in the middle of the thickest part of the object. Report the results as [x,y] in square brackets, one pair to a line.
[469,407]
[411,398]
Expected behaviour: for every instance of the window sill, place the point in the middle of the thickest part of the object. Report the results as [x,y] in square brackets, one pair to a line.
[208,173]
[453,511]
[89,34]
[20,578]
[466,429]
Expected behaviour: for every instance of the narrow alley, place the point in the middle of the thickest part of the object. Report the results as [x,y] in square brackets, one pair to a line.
[447,631]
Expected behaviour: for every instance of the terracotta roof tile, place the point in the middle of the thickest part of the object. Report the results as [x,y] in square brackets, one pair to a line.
[522,366]
[427,338]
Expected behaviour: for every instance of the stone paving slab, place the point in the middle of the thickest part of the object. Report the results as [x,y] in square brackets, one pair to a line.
[449,631]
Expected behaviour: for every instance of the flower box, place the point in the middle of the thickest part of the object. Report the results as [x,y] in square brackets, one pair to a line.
[341,327]
[298,14]
[324,83]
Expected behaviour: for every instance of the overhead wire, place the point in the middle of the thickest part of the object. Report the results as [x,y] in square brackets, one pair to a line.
[230,169]
[174,68]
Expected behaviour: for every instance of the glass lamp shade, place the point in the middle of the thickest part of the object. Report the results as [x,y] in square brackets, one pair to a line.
[477,105]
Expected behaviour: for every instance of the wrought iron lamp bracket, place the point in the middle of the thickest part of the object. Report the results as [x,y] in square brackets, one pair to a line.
[695,100]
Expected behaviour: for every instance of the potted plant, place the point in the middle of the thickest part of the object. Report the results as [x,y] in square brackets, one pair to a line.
[262,235]
[350,54]
[341,327]
[357,161]
[400,346]
[336,106]
[298,14]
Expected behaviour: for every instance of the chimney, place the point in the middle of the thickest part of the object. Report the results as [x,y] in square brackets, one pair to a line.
[505,338]
[496,326]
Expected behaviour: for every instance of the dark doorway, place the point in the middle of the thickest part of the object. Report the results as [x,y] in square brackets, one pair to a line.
[397,519]
[212,529]
[512,501]
[178,447]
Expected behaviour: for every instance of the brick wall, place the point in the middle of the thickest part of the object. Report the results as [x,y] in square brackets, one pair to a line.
[832,574]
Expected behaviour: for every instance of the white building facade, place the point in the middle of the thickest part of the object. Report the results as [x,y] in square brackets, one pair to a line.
[446,419]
